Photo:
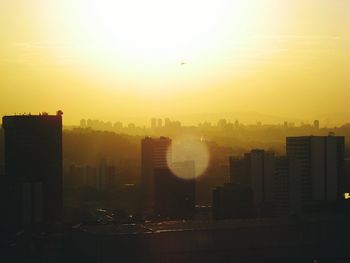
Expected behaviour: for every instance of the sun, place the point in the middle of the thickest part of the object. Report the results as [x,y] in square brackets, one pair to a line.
[156,31]
[157,48]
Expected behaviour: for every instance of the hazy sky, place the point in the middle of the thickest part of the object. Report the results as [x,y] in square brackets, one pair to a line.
[114,59]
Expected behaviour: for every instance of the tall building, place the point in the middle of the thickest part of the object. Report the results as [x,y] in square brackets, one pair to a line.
[82,123]
[321,160]
[106,179]
[233,200]
[184,169]
[153,123]
[153,155]
[174,196]
[33,168]
[101,178]
[256,170]
[239,168]
[160,123]
[345,180]
[316,124]
[285,189]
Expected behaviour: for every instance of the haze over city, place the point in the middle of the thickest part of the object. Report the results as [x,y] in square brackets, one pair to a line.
[115,60]
[174,131]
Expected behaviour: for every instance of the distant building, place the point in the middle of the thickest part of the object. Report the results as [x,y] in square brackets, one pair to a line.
[174,196]
[91,176]
[316,124]
[33,168]
[160,123]
[101,178]
[106,179]
[153,123]
[233,201]
[82,123]
[76,177]
[321,160]
[256,170]
[153,155]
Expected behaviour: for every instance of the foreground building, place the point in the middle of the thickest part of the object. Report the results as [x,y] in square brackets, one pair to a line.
[174,196]
[153,156]
[255,170]
[33,169]
[321,161]
[232,201]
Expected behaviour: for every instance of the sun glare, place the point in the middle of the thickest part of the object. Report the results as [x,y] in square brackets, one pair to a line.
[157,32]
[160,47]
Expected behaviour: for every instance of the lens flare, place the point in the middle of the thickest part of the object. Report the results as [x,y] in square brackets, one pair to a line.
[188,157]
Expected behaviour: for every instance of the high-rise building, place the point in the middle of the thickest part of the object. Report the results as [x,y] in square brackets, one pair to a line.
[321,160]
[33,168]
[256,170]
[82,123]
[285,189]
[75,177]
[160,123]
[316,124]
[106,176]
[345,180]
[101,178]
[184,169]
[153,155]
[239,167]
[154,123]
[174,196]
[233,201]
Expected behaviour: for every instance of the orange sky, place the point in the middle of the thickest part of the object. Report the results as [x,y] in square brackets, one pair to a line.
[119,59]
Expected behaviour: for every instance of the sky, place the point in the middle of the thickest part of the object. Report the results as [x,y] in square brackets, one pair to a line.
[139,59]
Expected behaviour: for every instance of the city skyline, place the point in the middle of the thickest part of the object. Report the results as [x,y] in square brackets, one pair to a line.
[153,131]
[74,204]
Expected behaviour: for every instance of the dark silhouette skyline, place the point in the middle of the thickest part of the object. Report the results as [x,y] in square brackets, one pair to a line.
[77,183]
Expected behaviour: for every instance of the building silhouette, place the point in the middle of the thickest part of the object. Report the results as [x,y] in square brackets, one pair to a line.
[101,178]
[153,123]
[160,123]
[174,196]
[153,155]
[286,186]
[233,200]
[184,169]
[345,180]
[316,124]
[33,169]
[321,160]
[255,170]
